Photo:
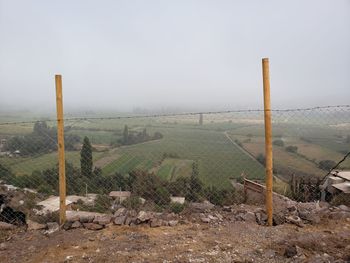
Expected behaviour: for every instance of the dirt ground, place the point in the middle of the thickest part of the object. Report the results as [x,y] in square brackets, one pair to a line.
[190,242]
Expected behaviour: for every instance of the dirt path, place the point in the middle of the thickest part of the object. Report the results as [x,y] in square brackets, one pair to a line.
[191,242]
[241,148]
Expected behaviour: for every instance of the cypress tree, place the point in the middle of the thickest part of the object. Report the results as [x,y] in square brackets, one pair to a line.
[86,158]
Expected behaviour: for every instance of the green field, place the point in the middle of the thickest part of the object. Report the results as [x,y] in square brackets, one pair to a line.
[26,165]
[218,157]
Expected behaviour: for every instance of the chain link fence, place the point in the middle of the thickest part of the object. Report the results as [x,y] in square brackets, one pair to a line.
[163,162]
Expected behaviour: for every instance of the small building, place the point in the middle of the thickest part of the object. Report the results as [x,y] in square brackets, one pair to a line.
[177,199]
[337,182]
[52,204]
[120,196]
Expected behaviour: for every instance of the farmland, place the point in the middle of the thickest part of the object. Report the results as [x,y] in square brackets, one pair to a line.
[226,146]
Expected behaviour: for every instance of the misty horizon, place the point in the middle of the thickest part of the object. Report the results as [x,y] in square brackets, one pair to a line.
[173,56]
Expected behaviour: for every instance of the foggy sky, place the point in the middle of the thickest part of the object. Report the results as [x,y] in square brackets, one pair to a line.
[192,54]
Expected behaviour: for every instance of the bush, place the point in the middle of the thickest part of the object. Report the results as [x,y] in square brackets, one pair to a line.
[261,158]
[162,196]
[326,164]
[220,196]
[132,202]
[278,143]
[176,207]
[292,149]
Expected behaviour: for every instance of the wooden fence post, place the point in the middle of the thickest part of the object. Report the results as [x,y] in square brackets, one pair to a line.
[268,140]
[60,142]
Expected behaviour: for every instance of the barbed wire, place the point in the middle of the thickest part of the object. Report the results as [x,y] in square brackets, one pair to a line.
[347,106]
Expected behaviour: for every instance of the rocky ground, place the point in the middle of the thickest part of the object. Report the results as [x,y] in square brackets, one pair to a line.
[200,234]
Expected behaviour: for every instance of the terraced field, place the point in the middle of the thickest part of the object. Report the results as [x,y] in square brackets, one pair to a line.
[217,157]
[26,165]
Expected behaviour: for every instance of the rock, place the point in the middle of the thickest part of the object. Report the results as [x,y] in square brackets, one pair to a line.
[201,207]
[120,220]
[227,209]
[6,226]
[76,224]
[67,225]
[143,216]
[311,217]
[52,227]
[120,212]
[339,215]
[344,208]
[278,219]
[3,246]
[295,220]
[219,216]
[130,221]
[173,223]
[290,251]
[102,220]
[132,213]
[156,222]
[212,218]
[205,219]
[92,226]
[86,218]
[269,253]
[249,217]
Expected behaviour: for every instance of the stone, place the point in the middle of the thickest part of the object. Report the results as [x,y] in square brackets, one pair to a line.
[227,209]
[132,213]
[3,246]
[249,217]
[92,226]
[120,220]
[296,220]
[6,226]
[173,223]
[76,224]
[52,227]
[311,217]
[156,222]
[67,225]
[103,220]
[278,219]
[290,251]
[130,220]
[120,212]
[344,208]
[201,207]
[205,219]
[86,218]
[143,216]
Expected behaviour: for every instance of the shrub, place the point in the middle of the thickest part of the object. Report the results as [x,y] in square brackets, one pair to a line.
[132,202]
[292,149]
[220,196]
[162,196]
[278,143]
[176,207]
[326,164]
[261,158]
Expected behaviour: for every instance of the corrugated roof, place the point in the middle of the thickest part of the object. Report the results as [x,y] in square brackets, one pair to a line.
[344,187]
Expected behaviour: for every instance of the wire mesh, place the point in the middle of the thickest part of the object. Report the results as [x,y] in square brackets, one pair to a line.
[160,161]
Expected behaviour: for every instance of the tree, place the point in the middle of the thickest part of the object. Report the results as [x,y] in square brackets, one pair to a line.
[201,119]
[261,159]
[278,142]
[326,164]
[196,185]
[126,134]
[292,149]
[86,158]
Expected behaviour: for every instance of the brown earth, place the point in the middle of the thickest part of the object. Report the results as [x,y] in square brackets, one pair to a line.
[190,242]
